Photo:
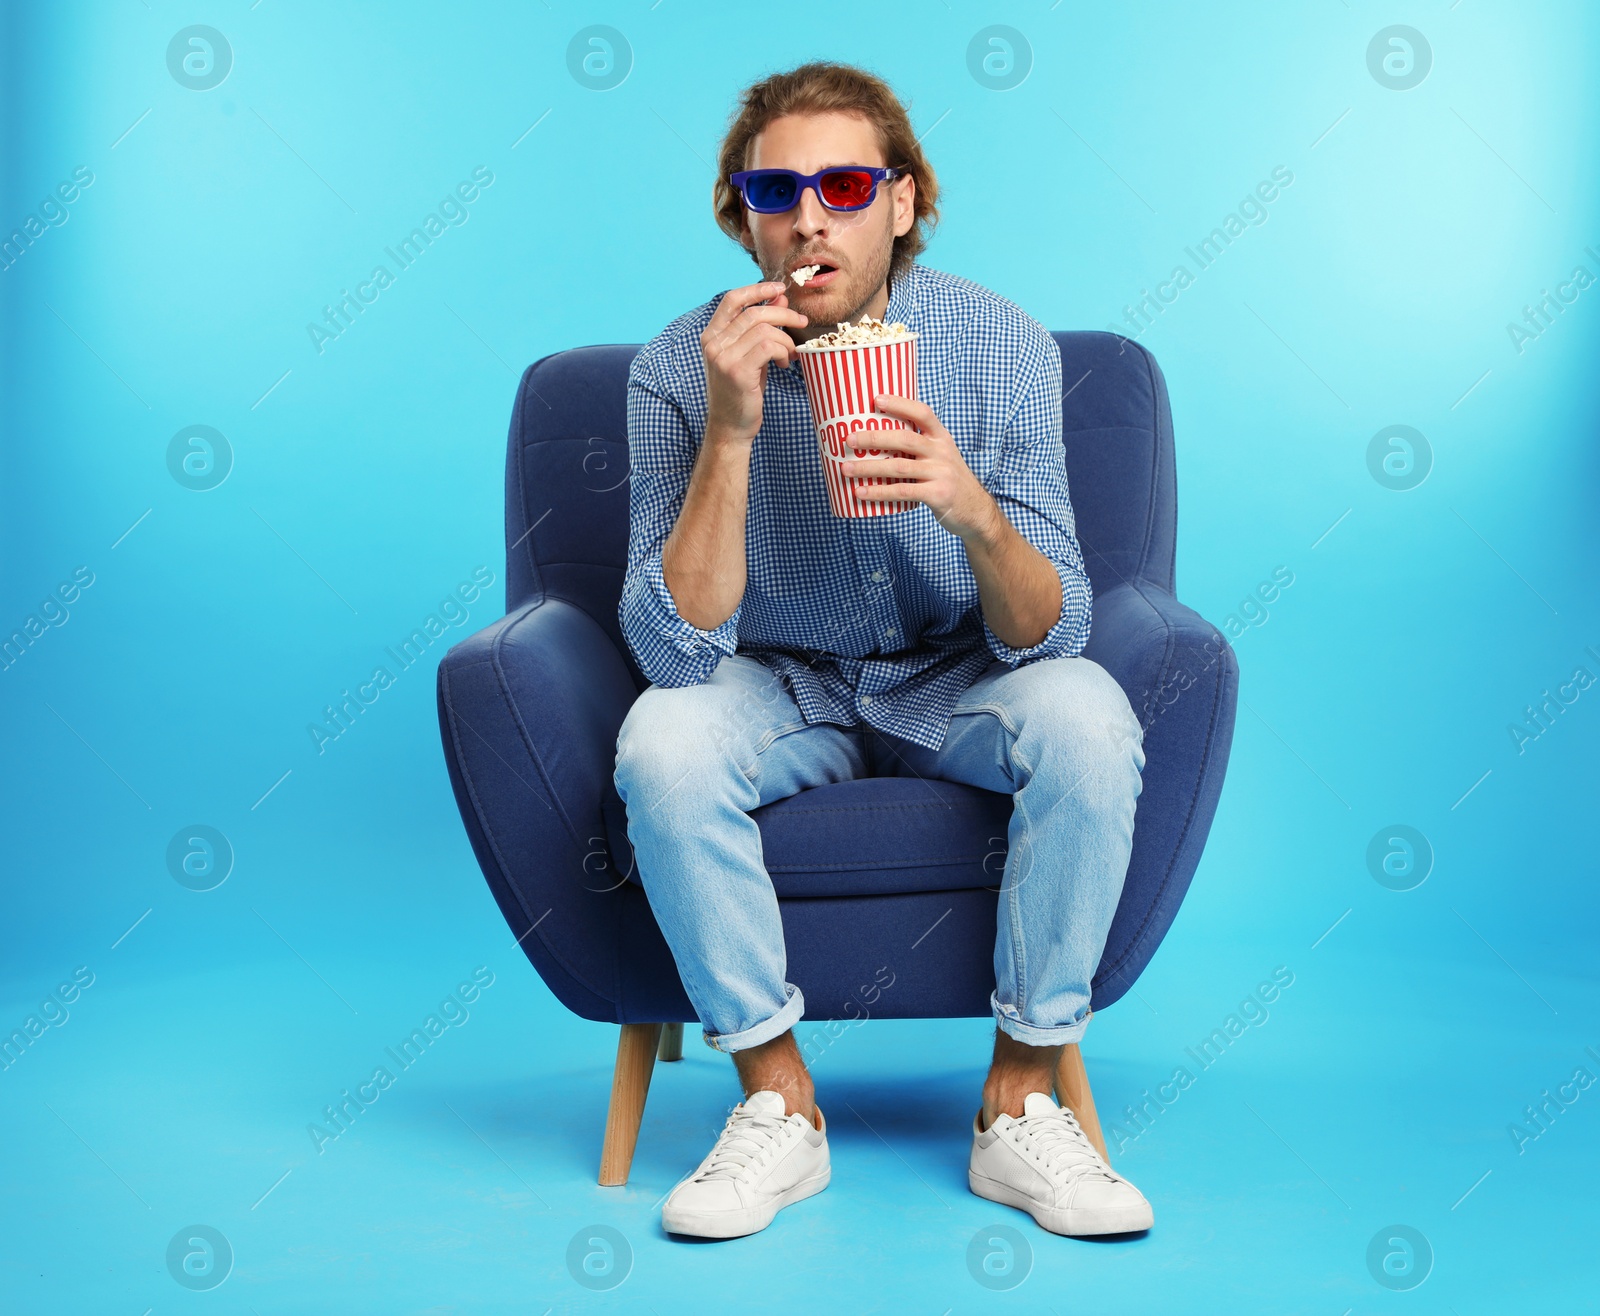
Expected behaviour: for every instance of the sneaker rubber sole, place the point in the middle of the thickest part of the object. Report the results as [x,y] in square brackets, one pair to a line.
[1082,1222]
[750,1220]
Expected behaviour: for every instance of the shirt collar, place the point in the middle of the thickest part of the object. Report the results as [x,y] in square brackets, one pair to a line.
[902,299]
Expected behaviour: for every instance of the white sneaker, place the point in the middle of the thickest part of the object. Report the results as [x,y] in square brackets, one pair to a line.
[762,1161]
[1045,1164]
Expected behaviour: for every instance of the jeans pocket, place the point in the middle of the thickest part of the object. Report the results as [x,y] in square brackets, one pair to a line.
[765,743]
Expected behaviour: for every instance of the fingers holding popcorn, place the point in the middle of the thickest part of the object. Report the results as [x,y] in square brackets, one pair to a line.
[935,472]
[744,334]
[918,414]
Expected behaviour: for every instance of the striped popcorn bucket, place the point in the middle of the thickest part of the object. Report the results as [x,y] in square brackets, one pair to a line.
[841,383]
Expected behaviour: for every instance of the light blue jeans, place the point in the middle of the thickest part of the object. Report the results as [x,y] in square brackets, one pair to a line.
[1056,734]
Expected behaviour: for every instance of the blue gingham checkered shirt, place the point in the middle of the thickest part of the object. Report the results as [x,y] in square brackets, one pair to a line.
[873,619]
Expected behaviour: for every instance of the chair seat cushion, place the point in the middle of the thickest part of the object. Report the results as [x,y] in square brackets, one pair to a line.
[871,836]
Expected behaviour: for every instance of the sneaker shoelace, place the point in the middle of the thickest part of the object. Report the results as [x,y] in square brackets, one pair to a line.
[1062,1143]
[744,1138]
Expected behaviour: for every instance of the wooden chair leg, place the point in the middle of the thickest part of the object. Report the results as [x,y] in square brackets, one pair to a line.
[671,1042]
[1072,1091]
[630,1082]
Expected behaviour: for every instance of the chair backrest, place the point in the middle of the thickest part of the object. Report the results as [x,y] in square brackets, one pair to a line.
[567,473]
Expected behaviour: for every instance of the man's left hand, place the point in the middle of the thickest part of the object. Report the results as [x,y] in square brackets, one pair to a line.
[941,477]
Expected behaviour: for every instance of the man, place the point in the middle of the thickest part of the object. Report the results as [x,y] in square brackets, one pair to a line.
[784,644]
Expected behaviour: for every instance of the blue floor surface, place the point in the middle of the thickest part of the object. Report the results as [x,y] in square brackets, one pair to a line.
[165,1102]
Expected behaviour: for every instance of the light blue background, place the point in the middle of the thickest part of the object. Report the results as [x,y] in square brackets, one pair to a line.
[367,482]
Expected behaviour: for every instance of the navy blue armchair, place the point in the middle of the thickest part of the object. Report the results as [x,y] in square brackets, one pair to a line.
[882,871]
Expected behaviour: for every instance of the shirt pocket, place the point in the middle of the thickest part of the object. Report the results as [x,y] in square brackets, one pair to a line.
[979,453]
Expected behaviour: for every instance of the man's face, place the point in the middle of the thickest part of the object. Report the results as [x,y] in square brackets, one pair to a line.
[856,244]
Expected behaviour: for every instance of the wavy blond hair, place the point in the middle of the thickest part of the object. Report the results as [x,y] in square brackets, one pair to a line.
[824,87]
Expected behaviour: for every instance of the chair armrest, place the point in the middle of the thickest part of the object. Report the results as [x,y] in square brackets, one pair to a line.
[1182,679]
[529,710]
[1158,649]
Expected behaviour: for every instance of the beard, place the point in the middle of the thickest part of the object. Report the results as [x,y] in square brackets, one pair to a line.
[846,298]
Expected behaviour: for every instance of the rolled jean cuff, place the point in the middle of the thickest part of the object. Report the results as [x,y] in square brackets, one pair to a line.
[765,1031]
[1010,1022]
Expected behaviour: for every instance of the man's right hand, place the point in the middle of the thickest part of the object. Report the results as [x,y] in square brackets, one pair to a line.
[741,338]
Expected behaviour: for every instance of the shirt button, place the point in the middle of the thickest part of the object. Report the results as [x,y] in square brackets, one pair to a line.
[866,699]
[890,631]
[877,575]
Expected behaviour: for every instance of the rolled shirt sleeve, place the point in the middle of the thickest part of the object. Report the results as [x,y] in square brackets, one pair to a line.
[661,454]
[1029,483]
